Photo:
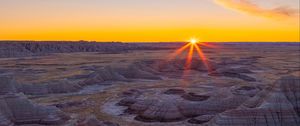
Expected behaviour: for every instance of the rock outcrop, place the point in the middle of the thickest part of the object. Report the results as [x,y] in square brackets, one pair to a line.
[194,97]
[48,88]
[179,65]
[7,85]
[4,120]
[131,93]
[290,86]
[168,110]
[93,121]
[136,71]
[201,119]
[109,73]
[245,90]
[15,108]
[175,91]
[19,110]
[104,74]
[234,73]
[277,105]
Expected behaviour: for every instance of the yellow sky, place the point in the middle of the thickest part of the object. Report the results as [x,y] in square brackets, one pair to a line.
[149,20]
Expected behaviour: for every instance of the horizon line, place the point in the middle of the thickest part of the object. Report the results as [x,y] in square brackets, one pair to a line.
[91,41]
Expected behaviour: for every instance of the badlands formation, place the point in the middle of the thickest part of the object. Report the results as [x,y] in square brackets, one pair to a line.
[117,84]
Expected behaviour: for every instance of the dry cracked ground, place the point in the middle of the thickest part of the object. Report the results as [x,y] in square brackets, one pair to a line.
[251,85]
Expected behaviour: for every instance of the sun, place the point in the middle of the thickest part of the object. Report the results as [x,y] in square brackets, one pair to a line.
[193,41]
[193,45]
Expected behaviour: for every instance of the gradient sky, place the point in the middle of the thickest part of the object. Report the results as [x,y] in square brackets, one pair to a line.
[150,20]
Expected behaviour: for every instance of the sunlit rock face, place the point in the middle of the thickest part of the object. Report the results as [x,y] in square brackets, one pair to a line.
[276,105]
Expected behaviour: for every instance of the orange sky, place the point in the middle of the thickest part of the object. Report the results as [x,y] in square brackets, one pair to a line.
[150,20]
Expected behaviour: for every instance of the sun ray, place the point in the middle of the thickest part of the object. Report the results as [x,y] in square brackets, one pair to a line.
[188,61]
[203,58]
[207,45]
[178,51]
[193,45]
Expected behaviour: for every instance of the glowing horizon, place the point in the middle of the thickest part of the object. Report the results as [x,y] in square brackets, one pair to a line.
[150,20]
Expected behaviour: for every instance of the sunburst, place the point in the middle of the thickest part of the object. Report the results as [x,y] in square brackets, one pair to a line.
[193,46]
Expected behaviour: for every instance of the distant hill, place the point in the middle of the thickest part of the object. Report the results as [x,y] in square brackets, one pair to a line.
[33,48]
[10,49]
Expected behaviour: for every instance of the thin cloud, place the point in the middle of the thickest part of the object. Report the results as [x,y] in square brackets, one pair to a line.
[246,6]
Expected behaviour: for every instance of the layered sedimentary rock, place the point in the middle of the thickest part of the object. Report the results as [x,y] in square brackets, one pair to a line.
[7,85]
[237,105]
[93,121]
[245,90]
[161,111]
[174,91]
[224,66]
[48,88]
[201,119]
[234,73]
[151,69]
[19,110]
[109,73]
[135,71]
[175,109]
[236,68]
[104,74]
[131,93]
[178,65]
[28,48]
[4,120]
[226,61]
[277,105]
[127,101]
[194,97]
[290,86]
[15,108]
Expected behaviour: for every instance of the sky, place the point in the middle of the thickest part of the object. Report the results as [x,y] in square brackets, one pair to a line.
[151,20]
